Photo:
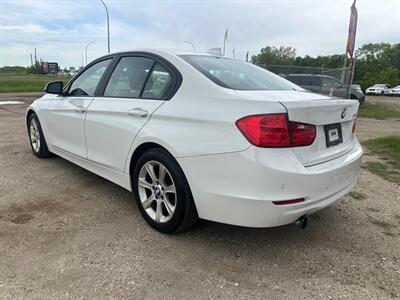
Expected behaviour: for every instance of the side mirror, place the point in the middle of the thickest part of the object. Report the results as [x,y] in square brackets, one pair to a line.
[54,87]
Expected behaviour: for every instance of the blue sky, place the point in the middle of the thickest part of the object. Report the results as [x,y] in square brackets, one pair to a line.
[61,29]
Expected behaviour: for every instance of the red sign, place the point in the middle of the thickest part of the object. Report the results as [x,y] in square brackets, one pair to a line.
[351,40]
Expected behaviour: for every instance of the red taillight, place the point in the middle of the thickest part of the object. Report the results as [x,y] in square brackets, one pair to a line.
[275,130]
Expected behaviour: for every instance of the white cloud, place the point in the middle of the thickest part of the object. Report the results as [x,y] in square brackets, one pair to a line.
[60,29]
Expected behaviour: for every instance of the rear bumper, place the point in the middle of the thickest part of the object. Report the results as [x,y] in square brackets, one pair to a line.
[238,188]
[373,92]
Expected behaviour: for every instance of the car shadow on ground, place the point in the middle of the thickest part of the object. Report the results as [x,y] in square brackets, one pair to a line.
[324,226]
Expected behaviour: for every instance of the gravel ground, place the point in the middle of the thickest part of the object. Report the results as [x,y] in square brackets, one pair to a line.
[67,233]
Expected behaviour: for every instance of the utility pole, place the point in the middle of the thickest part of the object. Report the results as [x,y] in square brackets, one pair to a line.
[225,38]
[108,25]
[189,42]
[35,57]
[31,60]
[88,44]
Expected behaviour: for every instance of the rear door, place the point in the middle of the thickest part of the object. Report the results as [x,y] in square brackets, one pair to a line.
[136,87]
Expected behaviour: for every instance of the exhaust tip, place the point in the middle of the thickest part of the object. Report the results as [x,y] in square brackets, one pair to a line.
[301,222]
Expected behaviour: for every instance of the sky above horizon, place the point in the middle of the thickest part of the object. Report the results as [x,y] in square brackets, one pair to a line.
[60,30]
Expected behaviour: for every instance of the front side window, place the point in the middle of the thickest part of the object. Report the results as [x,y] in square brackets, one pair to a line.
[128,78]
[330,82]
[238,75]
[86,83]
[158,83]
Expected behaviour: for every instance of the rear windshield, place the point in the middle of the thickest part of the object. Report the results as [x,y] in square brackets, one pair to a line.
[238,75]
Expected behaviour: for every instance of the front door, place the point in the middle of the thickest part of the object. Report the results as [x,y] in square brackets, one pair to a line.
[66,115]
[333,87]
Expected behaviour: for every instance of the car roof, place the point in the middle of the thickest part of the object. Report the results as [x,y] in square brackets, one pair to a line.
[161,51]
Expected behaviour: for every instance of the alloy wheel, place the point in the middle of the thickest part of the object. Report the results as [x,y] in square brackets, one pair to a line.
[34,134]
[157,191]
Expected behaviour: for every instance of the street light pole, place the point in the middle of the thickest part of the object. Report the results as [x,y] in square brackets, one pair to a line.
[189,42]
[108,25]
[87,45]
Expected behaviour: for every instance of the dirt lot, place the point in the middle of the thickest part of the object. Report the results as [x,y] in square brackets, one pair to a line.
[66,233]
[391,102]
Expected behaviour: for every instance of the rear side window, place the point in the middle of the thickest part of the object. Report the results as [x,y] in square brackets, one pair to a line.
[128,77]
[296,79]
[158,83]
[314,80]
[236,74]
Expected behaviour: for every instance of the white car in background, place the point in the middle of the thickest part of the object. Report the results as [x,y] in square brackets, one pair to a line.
[197,135]
[378,89]
[394,91]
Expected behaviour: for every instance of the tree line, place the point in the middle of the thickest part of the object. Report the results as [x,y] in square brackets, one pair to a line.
[374,62]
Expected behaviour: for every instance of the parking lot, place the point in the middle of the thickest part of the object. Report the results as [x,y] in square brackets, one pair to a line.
[65,232]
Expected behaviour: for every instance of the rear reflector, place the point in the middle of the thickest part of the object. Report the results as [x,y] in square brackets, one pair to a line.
[276,131]
[285,202]
[354,125]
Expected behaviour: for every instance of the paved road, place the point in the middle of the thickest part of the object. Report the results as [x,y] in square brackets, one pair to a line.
[67,233]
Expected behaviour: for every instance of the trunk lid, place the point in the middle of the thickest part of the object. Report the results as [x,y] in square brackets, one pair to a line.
[330,115]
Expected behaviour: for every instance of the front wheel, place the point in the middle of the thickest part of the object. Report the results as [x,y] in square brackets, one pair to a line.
[162,192]
[36,137]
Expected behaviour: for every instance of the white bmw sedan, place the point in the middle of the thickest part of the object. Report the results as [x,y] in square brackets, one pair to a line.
[378,89]
[201,136]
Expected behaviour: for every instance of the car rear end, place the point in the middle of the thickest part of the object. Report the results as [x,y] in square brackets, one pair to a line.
[298,162]
[300,151]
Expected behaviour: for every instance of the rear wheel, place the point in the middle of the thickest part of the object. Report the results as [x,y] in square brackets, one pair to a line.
[162,192]
[36,137]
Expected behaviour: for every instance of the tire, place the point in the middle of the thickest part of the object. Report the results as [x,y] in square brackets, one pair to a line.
[165,202]
[36,137]
[382,93]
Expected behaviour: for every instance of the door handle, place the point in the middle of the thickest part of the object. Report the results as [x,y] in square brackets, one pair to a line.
[80,109]
[138,112]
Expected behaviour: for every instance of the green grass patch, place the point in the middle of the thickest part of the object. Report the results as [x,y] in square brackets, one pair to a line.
[377,111]
[357,195]
[26,82]
[388,150]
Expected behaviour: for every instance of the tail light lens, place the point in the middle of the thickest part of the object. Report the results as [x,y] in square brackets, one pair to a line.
[276,131]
